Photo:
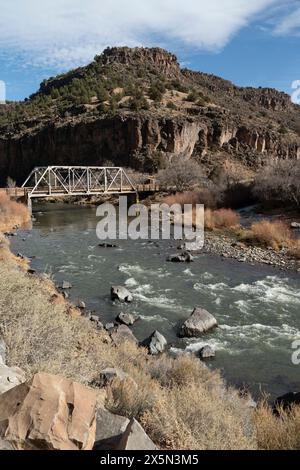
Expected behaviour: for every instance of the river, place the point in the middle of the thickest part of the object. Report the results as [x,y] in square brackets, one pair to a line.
[257,307]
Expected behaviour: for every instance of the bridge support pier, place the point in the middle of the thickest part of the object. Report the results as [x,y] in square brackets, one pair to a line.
[29,204]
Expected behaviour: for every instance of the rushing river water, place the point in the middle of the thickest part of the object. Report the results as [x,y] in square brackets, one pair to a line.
[258,308]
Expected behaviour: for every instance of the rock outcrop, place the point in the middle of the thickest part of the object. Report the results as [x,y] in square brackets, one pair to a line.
[244,125]
[201,321]
[48,413]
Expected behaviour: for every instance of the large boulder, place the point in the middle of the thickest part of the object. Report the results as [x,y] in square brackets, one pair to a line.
[127,318]
[10,377]
[122,333]
[109,430]
[49,413]
[156,343]
[135,438]
[199,322]
[121,293]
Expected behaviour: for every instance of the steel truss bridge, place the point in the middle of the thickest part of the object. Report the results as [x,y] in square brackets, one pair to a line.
[60,181]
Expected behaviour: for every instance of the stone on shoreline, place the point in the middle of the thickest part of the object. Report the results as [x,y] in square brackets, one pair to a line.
[121,293]
[127,318]
[199,322]
[156,343]
[66,285]
[295,225]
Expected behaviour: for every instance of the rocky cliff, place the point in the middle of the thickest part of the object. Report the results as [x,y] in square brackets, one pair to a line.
[132,102]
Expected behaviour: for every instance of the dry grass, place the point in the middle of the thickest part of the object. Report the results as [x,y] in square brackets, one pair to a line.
[181,403]
[203,196]
[221,219]
[265,233]
[277,432]
[12,214]
[294,251]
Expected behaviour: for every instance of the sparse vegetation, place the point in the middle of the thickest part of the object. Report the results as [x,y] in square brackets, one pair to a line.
[274,234]
[181,175]
[221,219]
[12,214]
[279,183]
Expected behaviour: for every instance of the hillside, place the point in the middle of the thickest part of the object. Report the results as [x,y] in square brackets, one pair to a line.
[137,107]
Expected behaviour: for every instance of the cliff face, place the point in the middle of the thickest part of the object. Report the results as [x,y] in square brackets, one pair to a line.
[249,126]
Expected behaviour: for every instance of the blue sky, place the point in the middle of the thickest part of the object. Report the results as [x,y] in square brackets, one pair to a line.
[252,43]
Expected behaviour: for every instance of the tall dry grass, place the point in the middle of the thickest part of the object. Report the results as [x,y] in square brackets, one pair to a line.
[221,219]
[273,234]
[12,214]
[277,432]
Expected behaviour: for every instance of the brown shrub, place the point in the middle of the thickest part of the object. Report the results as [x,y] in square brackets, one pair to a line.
[295,249]
[280,432]
[268,234]
[12,214]
[207,197]
[221,219]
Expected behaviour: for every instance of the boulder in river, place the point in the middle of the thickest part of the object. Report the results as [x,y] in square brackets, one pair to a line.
[121,293]
[127,318]
[207,352]
[107,245]
[199,322]
[156,343]
[185,257]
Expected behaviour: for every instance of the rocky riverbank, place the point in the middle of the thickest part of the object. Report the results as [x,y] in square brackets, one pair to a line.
[228,246]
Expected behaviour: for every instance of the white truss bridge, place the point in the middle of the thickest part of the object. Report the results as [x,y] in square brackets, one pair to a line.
[77,181]
[61,181]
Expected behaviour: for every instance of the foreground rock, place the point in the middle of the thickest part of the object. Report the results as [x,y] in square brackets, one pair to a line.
[121,293]
[185,257]
[199,322]
[135,438]
[109,430]
[49,413]
[156,343]
[127,318]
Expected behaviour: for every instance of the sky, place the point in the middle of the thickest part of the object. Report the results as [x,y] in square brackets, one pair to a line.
[252,43]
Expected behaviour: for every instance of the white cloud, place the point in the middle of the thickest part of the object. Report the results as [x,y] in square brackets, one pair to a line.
[63,33]
[289,24]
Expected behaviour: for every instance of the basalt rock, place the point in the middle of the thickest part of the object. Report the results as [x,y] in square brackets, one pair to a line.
[201,321]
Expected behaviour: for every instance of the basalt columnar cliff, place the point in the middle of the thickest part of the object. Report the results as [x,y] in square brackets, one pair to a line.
[137,107]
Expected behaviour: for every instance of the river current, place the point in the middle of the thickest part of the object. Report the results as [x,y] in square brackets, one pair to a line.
[257,307]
